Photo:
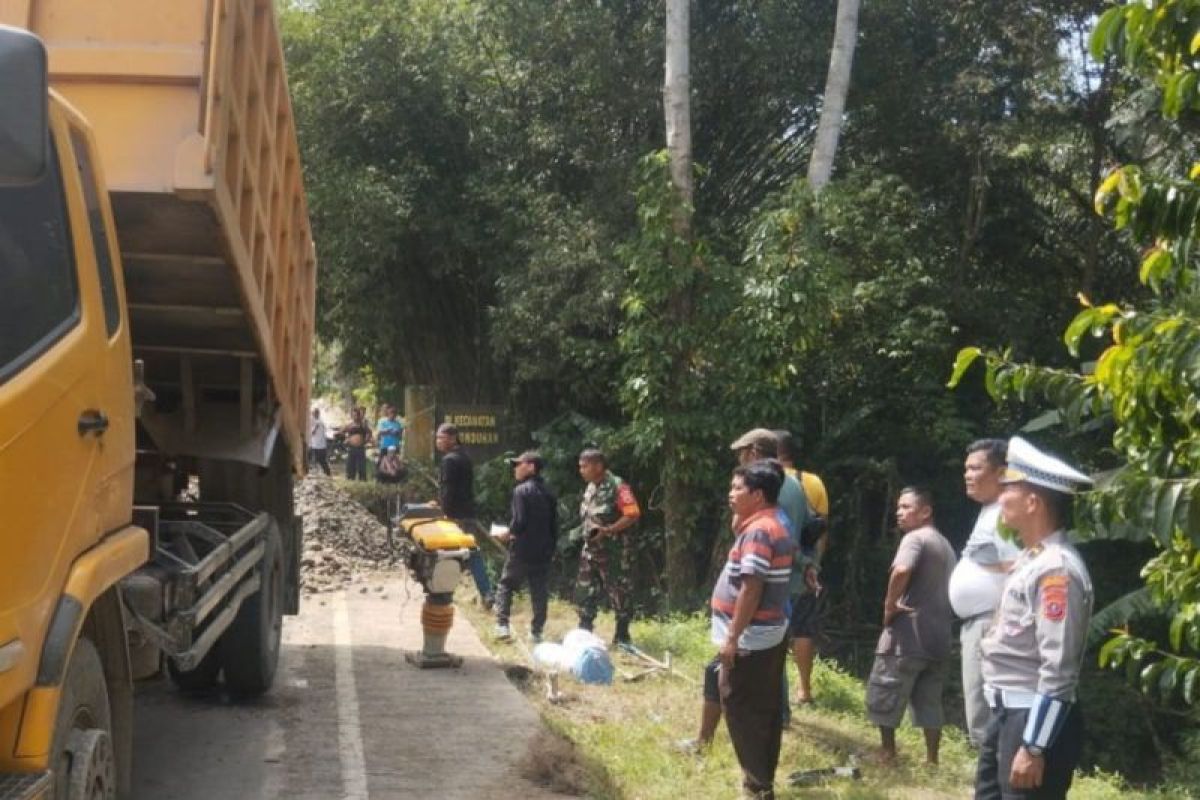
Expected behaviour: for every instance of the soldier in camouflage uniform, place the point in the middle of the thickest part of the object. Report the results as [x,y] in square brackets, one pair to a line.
[608,513]
[1033,653]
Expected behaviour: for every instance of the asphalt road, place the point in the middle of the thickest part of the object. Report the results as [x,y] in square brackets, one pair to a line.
[347,718]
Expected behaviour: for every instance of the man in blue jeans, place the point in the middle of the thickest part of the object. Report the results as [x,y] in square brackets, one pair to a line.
[456,496]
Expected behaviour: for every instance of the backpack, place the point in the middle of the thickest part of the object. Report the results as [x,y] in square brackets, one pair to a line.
[813,529]
[815,526]
[390,468]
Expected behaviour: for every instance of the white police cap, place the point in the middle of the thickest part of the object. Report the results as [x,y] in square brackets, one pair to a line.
[1028,464]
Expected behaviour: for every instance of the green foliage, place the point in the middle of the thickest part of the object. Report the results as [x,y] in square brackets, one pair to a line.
[671,301]
[1158,39]
[1146,381]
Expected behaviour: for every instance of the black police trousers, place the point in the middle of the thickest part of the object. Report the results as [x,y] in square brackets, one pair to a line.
[1003,739]
[516,573]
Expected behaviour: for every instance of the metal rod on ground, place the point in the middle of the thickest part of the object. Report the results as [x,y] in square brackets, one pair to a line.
[665,665]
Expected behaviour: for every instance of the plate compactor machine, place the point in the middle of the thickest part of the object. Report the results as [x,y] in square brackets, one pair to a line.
[437,554]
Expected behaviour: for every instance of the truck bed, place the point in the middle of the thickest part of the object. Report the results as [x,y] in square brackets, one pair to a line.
[188,100]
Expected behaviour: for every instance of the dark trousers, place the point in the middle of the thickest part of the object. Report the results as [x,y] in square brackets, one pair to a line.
[356,463]
[1000,744]
[320,457]
[516,572]
[754,715]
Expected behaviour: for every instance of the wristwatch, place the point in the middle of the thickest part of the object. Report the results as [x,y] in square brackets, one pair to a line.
[1034,750]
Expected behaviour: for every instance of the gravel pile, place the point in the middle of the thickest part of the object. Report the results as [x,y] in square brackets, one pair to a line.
[342,540]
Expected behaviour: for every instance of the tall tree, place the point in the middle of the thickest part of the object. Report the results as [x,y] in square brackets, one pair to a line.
[837,86]
[677,107]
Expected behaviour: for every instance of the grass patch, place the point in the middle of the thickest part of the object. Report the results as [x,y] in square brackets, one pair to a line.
[620,739]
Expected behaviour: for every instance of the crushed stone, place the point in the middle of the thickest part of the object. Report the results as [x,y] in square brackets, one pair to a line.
[343,543]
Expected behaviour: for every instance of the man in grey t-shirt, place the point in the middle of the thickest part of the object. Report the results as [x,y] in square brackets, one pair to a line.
[910,658]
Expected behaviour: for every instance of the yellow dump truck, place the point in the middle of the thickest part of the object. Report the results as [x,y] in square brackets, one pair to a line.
[157,283]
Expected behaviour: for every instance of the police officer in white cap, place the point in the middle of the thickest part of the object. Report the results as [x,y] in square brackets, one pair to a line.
[1033,653]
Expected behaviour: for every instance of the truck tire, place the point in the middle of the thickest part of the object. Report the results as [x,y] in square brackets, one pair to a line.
[250,648]
[82,755]
[202,677]
[93,766]
[269,490]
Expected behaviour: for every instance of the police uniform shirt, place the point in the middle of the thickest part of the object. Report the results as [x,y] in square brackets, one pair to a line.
[1033,653]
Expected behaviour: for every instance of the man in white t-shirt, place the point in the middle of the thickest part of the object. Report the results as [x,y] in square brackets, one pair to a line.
[318,444]
[978,581]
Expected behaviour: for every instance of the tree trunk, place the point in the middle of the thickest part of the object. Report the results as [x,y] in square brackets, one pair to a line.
[678,108]
[677,503]
[837,86]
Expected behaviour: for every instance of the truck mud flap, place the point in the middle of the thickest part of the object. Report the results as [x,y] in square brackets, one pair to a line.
[293,548]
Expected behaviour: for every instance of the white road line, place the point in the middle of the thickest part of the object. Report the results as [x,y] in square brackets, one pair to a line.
[350,745]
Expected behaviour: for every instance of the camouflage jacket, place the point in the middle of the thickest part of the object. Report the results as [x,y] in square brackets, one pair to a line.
[605,502]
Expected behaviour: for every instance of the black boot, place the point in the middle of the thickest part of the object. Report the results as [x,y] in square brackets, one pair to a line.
[622,634]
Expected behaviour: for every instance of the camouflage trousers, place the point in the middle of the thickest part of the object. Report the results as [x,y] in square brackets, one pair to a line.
[604,570]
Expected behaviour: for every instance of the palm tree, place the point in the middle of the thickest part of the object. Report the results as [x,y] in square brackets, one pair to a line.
[837,86]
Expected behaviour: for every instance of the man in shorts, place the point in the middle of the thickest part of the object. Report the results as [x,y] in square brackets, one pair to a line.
[911,656]
[808,603]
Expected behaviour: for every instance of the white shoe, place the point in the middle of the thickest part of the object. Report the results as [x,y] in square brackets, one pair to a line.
[502,632]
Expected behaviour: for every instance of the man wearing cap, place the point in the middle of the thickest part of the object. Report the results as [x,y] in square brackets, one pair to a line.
[790,508]
[755,445]
[978,580]
[1033,652]
[532,531]
[608,512]
[760,443]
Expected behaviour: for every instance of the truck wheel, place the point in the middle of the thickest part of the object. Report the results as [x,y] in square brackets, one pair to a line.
[250,648]
[202,677]
[83,760]
[93,767]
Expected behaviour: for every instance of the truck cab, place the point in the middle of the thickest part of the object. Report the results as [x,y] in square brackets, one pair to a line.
[154,331]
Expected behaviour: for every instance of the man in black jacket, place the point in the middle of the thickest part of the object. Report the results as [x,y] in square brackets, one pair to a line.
[531,537]
[456,496]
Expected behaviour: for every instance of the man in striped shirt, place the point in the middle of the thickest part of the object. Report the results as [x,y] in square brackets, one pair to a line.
[749,624]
